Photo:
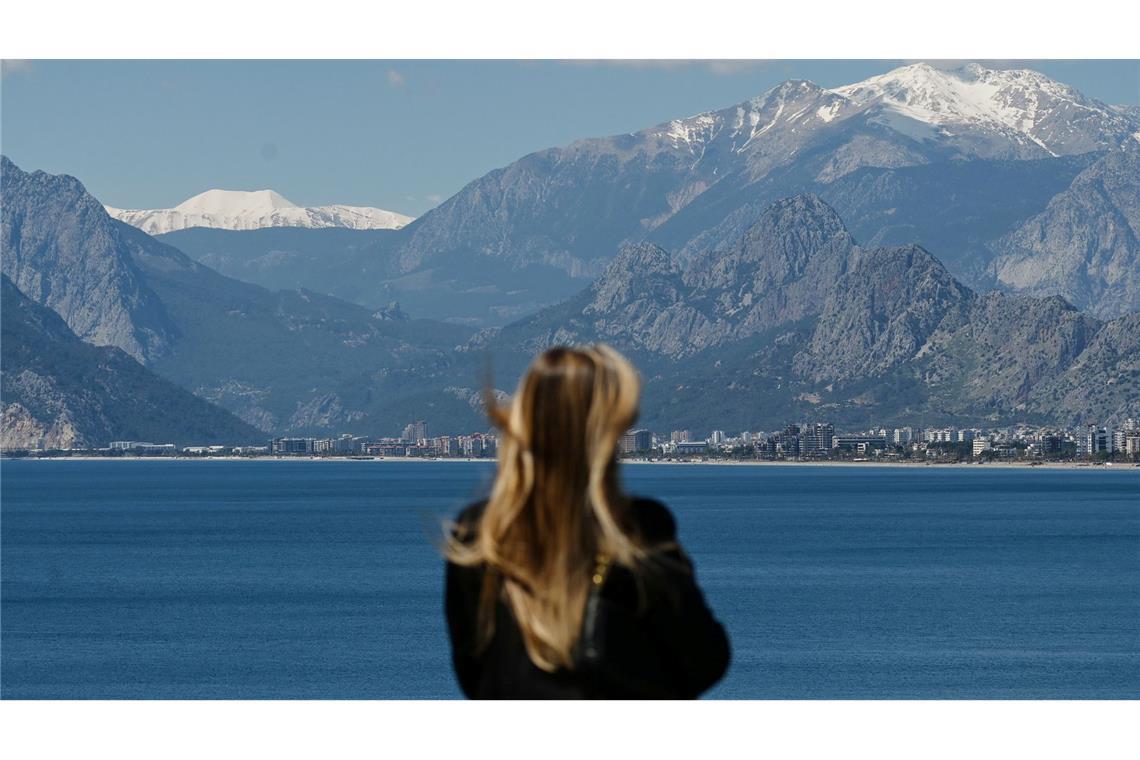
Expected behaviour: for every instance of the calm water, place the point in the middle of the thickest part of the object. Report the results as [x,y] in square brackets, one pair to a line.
[318,579]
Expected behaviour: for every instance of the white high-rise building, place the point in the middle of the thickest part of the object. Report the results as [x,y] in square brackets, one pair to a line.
[415,431]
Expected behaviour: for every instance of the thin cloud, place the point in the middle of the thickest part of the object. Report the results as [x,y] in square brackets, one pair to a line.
[434,197]
[395,78]
[10,66]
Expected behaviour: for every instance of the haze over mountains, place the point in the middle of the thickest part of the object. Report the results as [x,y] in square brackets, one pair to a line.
[939,247]
[253,210]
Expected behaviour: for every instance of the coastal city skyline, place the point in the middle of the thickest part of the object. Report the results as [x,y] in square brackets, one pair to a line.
[816,441]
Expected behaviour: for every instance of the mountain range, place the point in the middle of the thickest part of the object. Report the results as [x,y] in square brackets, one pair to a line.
[796,320]
[253,210]
[973,164]
[928,246]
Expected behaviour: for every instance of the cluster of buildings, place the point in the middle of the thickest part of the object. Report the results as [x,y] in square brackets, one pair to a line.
[819,440]
[414,442]
[148,449]
[802,441]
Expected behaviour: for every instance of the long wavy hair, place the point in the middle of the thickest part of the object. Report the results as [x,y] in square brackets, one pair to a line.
[556,505]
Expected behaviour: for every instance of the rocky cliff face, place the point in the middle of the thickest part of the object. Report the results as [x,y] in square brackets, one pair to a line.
[882,313]
[1102,384]
[1085,245]
[60,392]
[781,269]
[60,247]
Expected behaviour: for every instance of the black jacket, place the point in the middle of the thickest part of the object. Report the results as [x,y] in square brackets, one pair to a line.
[659,641]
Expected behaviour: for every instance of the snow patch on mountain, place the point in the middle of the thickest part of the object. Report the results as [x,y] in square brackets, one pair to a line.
[251,210]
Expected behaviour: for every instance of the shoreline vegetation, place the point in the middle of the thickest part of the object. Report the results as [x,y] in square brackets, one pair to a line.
[689,461]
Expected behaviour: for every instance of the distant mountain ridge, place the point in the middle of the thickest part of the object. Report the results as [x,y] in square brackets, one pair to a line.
[258,209]
[536,231]
[955,161]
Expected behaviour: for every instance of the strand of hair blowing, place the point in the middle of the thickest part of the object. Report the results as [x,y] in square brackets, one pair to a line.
[556,500]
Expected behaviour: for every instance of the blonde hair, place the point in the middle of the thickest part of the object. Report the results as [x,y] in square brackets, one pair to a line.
[556,504]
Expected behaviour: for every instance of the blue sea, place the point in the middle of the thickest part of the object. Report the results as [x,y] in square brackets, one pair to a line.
[320,580]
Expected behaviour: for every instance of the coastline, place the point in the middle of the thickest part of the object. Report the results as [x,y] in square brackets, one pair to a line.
[1106,466]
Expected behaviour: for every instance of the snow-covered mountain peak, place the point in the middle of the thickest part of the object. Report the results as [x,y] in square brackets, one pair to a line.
[935,96]
[250,210]
[1020,106]
[235,202]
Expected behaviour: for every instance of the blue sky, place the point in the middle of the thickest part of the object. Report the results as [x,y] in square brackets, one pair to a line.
[400,135]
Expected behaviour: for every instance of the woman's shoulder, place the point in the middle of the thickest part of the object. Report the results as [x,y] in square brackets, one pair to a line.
[653,519]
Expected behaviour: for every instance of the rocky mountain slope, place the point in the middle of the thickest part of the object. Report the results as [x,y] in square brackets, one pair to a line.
[796,319]
[1103,383]
[60,392]
[252,210]
[953,209]
[1085,245]
[60,248]
[282,361]
[881,313]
